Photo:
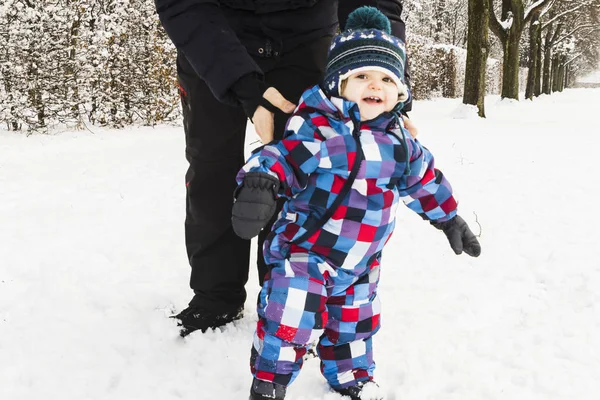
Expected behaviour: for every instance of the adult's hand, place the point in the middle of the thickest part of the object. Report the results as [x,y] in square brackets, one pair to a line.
[264,120]
[411,127]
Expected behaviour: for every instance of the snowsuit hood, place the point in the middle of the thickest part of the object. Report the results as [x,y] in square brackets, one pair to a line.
[342,109]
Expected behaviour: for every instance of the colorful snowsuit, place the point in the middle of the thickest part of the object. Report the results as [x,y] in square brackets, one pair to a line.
[325,286]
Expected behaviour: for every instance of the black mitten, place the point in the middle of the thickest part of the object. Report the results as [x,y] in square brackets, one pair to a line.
[460,236]
[255,202]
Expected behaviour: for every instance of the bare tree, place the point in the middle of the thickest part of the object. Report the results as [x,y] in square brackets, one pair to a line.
[514,18]
[534,59]
[582,19]
[477,54]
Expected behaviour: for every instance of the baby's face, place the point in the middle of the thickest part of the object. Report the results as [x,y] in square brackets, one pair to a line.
[374,91]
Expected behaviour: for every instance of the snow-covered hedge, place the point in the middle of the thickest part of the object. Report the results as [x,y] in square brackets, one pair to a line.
[438,70]
[73,63]
[76,62]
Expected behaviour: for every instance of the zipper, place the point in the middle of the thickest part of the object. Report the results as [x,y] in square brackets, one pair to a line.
[318,224]
[359,150]
[403,143]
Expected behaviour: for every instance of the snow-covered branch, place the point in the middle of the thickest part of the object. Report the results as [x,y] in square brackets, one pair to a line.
[547,9]
[495,26]
[533,7]
[508,22]
[566,12]
[536,8]
[575,57]
[570,34]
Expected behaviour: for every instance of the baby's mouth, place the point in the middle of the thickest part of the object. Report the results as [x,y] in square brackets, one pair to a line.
[372,100]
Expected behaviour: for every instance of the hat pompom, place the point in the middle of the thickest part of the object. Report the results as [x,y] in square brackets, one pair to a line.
[368,18]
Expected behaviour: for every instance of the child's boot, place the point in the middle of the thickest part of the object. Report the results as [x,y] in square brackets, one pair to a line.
[263,390]
[368,390]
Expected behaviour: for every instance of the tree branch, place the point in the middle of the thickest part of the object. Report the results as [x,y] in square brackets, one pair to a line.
[562,14]
[573,59]
[556,33]
[543,13]
[556,41]
[495,25]
[535,9]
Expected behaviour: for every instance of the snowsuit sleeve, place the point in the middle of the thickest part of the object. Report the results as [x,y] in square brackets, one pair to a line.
[199,29]
[292,159]
[425,189]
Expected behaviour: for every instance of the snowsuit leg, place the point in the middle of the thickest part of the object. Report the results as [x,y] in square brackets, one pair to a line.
[294,311]
[215,135]
[292,314]
[346,348]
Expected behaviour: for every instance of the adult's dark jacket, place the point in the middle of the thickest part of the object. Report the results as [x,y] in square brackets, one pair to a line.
[220,37]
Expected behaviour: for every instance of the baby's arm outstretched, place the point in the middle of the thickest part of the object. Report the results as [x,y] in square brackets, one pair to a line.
[426,191]
[279,169]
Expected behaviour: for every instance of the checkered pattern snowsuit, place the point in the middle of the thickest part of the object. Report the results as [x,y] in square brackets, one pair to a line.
[325,287]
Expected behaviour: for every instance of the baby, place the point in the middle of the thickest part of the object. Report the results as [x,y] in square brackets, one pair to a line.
[344,164]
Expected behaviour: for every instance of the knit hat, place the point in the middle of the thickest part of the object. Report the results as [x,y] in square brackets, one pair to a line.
[365,44]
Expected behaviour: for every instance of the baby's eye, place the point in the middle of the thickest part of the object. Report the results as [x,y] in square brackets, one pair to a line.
[388,80]
[361,76]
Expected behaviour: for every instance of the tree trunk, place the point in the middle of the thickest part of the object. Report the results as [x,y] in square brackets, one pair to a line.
[6,75]
[509,32]
[555,78]
[510,67]
[537,90]
[71,69]
[561,73]
[477,54]
[34,95]
[440,8]
[547,77]
[533,53]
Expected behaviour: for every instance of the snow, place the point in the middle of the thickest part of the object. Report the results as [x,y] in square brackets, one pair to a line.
[506,24]
[593,77]
[92,261]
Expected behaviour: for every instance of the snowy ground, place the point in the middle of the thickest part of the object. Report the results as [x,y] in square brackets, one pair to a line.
[593,77]
[92,260]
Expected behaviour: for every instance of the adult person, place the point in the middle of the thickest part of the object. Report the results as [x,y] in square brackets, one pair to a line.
[239,59]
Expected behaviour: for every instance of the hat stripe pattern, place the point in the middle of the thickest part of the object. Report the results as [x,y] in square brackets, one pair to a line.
[361,49]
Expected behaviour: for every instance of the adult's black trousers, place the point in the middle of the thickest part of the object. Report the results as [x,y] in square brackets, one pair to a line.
[215,137]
